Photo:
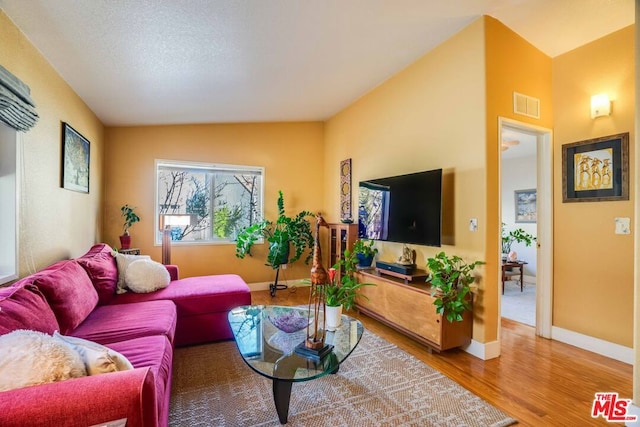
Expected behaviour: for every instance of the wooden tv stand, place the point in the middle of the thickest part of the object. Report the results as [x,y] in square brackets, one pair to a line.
[408,308]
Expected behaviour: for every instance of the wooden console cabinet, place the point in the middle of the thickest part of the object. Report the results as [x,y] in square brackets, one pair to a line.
[408,308]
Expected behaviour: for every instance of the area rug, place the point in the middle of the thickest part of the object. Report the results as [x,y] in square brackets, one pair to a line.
[519,306]
[378,385]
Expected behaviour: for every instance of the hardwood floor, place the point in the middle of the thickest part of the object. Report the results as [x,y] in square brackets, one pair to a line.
[537,381]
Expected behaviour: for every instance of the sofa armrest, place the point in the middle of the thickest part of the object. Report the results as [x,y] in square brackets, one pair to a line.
[84,401]
[173,272]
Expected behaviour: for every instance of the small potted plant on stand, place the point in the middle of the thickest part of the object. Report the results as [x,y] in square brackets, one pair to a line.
[365,251]
[130,218]
[517,235]
[451,279]
[341,294]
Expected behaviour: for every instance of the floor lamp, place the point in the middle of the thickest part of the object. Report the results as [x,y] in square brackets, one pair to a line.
[167,222]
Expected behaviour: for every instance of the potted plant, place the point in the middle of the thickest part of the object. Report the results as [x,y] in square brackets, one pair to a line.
[341,293]
[280,235]
[451,279]
[517,235]
[130,218]
[365,251]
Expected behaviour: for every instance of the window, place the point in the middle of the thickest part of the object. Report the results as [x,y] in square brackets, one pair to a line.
[217,200]
[8,204]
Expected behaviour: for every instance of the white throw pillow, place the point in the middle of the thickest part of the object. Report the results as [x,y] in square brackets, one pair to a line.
[145,275]
[29,358]
[97,358]
[123,261]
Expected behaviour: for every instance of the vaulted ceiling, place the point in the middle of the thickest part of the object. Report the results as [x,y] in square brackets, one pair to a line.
[205,61]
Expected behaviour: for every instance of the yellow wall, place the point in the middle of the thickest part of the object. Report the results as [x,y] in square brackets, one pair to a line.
[593,267]
[513,65]
[291,153]
[54,223]
[429,116]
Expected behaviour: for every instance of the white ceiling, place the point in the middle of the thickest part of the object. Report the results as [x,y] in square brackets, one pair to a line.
[205,61]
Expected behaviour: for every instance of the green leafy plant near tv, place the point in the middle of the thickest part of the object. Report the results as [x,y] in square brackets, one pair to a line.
[343,291]
[450,279]
[281,234]
[365,251]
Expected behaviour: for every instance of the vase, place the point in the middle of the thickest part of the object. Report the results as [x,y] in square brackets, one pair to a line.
[364,260]
[333,317]
[125,241]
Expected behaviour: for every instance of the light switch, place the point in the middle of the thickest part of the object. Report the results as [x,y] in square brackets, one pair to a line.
[473,224]
[623,226]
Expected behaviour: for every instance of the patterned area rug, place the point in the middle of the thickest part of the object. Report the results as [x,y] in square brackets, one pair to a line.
[378,385]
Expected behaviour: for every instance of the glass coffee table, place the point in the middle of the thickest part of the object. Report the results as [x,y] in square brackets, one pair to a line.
[271,351]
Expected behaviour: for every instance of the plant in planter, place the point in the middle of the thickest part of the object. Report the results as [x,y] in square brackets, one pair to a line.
[280,235]
[365,251]
[130,218]
[342,293]
[517,235]
[451,279]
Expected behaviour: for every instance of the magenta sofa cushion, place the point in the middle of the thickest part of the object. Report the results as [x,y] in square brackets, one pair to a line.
[202,303]
[68,291]
[24,307]
[157,353]
[112,323]
[101,268]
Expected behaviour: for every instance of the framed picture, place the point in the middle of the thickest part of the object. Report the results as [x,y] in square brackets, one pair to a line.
[596,169]
[75,160]
[526,206]
[345,190]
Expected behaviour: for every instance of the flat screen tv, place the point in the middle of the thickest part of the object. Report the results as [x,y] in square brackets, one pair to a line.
[404,208]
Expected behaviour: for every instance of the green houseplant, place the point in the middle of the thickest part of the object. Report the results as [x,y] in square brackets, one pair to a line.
[450,279]
[341,293]
[280,234]
[130,218]
[517,235]
[365,251]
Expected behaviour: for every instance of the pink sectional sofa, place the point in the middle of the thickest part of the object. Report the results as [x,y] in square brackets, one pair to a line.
[78,297]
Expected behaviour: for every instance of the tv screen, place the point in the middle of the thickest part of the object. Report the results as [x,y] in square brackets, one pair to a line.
[404,209]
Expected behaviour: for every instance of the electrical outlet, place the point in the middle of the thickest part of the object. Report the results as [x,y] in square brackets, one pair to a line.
[623,225]
[473,224]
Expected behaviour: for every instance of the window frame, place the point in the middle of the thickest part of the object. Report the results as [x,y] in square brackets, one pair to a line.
[157,241]
[10,143]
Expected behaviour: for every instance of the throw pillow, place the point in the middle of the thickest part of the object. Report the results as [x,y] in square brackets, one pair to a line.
[22,306]
[29,358]
[69,292]
[144,276]
[123,262]
[103,272]
[97,358]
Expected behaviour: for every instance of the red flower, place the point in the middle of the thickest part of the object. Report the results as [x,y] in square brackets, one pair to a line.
[332,274]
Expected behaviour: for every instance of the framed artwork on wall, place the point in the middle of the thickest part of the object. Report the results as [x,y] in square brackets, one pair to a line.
[596,170]
[345,190]
[526,205]
[75,160]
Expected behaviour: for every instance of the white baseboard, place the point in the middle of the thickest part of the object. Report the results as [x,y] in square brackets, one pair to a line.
[595,345]
[484,351]
[264,286]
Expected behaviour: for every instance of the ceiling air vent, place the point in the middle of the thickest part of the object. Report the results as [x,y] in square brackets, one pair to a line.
[526,105]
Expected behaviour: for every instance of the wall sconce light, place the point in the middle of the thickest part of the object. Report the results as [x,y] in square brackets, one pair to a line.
[600,105]
[167,221]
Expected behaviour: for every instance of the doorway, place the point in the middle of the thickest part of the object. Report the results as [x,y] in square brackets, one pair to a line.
[526,201]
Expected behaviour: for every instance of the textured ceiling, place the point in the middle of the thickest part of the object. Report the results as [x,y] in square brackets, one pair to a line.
[204,61]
